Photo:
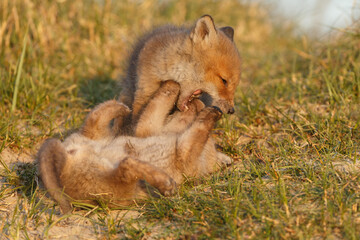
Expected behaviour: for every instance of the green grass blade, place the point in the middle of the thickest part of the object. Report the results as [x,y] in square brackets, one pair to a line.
[18,72]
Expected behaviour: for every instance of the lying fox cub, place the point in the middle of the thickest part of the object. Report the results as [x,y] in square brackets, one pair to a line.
[93,165]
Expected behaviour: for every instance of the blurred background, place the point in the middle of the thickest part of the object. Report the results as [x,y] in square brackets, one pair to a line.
[317,17]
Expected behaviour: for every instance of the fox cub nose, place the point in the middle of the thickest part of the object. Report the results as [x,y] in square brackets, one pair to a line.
[231,110]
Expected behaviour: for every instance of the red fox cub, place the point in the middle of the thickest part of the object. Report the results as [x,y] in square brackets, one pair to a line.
[202,59]
[94,165]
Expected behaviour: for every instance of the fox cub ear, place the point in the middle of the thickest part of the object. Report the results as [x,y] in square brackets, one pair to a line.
[229,32]
[204,30]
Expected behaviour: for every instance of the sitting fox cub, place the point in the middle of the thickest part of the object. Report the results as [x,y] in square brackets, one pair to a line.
[93,164]
[201,59]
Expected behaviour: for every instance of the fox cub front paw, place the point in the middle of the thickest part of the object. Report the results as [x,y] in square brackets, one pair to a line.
[170,88]
[210,113]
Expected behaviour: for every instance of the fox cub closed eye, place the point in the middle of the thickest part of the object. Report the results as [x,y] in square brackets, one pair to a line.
[224,82]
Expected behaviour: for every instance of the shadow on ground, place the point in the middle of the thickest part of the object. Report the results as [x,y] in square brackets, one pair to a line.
[98,89]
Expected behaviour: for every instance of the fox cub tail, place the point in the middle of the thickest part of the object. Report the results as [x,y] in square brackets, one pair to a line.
[52,157]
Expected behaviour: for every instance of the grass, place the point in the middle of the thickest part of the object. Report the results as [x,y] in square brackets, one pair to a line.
[295,135]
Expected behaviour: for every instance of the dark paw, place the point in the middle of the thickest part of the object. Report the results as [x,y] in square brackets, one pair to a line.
[209,114]
[218,109]
[218,112]
[198,104]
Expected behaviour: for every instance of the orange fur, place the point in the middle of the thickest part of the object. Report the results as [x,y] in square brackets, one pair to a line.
[93,165]
[201,57]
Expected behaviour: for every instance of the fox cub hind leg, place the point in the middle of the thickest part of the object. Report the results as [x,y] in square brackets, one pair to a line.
[192,141]
[131,170]
[118,186]
[97,123]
